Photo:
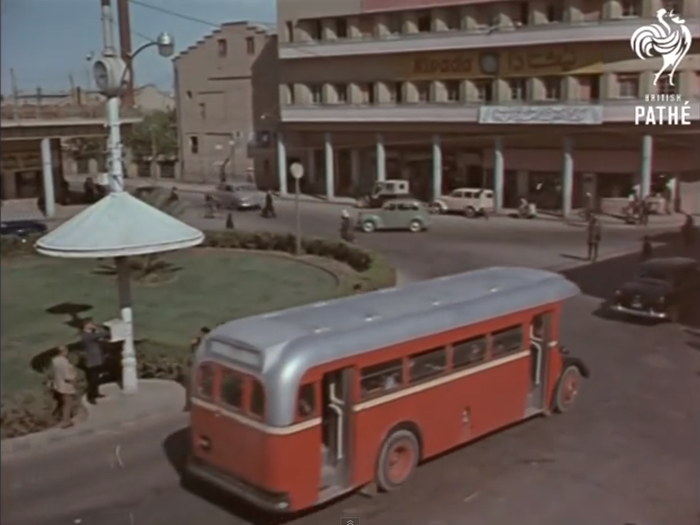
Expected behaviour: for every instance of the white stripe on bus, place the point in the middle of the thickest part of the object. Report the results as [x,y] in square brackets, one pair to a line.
[304,425]
[437,382]
[257,425]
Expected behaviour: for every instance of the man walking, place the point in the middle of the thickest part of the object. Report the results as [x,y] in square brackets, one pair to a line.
[94,359]
[594,236]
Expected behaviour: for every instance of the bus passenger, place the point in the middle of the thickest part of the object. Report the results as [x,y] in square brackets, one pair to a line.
[390,382]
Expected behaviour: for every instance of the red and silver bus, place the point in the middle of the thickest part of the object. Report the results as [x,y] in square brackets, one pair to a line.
[292,408]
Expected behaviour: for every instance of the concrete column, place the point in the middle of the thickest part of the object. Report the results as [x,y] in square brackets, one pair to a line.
[673,192]
[355,169]
[498,174]
[47,172]
[567,184]
[437,167]
[647,157]
[330,166]
[282,164]
[381,159]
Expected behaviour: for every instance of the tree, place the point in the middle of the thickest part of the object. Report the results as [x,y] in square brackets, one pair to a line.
[154,138]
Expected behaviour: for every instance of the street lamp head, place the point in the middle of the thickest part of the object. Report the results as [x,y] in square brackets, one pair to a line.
[166,45]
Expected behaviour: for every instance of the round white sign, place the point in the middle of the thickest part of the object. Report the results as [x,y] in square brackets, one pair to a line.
[297,170]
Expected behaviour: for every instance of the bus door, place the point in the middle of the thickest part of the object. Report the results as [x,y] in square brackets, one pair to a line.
[336,420]
[540,339]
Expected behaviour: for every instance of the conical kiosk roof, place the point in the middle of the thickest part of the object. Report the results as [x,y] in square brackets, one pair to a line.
[118,225]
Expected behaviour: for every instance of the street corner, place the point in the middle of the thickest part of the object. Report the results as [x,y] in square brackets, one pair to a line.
[156,398]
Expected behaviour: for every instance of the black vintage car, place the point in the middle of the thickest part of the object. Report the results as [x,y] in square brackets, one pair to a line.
[22,228]
[665,288]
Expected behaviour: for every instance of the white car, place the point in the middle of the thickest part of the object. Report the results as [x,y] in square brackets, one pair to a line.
[472,202]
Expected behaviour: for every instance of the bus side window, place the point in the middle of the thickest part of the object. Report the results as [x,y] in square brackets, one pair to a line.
[427,364]
[469,352]
[205,382]
[257,398]
[231,393]
[306,404]
[507,341]
[381,378]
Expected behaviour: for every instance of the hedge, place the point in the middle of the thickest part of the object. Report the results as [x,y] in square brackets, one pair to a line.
[33,411]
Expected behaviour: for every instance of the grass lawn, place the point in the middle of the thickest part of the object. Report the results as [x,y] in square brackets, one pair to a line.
[211,287]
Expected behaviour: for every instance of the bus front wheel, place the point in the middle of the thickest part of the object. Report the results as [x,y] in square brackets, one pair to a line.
[567,389]
[398,459]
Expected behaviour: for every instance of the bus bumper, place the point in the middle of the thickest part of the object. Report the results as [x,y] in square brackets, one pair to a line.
[200,471]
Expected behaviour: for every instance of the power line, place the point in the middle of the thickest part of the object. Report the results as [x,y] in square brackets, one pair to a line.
[174,13]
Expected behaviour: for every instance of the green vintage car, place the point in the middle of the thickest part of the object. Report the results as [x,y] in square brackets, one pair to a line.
[397,214]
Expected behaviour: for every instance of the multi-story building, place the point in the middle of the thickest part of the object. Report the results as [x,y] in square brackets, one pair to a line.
[227,102]
[528,96]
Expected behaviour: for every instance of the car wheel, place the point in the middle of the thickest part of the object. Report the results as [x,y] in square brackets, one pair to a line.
[437,209]
[368,227]
[397,460]
[567,390]
[415,226]
[470,212]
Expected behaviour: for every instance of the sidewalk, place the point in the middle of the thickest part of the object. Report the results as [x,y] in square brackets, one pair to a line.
[155,398]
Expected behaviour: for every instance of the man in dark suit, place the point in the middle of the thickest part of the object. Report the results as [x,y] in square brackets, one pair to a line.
[90,337]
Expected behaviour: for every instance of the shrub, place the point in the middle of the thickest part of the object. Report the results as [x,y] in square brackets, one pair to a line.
[357,258]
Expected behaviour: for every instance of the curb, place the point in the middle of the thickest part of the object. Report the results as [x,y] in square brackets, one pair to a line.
[12,447]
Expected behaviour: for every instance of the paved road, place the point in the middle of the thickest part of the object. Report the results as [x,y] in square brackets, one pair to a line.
[453,244]
[625,455]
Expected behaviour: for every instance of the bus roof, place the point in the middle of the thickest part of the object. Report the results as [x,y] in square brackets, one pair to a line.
[285,344]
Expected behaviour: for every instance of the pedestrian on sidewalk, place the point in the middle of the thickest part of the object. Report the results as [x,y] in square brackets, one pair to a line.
[647,249]
[91,336]
[63,386]
[594,235]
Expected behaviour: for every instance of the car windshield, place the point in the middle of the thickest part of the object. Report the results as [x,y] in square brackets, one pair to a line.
[656,274]
[246,187]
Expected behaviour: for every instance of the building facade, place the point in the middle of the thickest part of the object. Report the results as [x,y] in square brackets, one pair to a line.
[227,102]
[528,97]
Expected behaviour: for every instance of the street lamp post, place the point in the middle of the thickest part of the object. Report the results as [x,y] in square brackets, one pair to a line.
[297,172]
[111,73]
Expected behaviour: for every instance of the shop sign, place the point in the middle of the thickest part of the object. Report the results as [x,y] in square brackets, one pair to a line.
[553,115]
[531,61]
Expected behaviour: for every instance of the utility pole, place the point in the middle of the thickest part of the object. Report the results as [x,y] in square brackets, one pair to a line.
[125,48]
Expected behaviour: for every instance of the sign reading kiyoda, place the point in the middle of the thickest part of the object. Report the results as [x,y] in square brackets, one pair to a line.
[670,40]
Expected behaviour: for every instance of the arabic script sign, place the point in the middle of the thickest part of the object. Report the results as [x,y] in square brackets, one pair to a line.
[572,115]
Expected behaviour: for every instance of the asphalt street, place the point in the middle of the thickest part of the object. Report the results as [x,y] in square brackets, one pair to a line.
[626,454]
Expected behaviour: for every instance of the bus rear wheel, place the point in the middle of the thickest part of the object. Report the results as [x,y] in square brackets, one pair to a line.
[398,459]
[567,389]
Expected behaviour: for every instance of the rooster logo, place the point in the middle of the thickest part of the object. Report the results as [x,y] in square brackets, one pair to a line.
[670,43]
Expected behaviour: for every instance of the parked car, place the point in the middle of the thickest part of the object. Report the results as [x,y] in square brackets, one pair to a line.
[472,202]
[665,288]
[22,228]
[397,214]
[238,196]
[384,191]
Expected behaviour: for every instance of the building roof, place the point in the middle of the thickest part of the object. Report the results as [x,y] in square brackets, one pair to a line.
[118,225]
[281,346]
[265,27]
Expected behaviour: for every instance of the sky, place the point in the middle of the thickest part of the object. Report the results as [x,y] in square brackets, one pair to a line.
[45,42]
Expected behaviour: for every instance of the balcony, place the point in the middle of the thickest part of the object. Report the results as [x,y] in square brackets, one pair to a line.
[546,34]
[553,113]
